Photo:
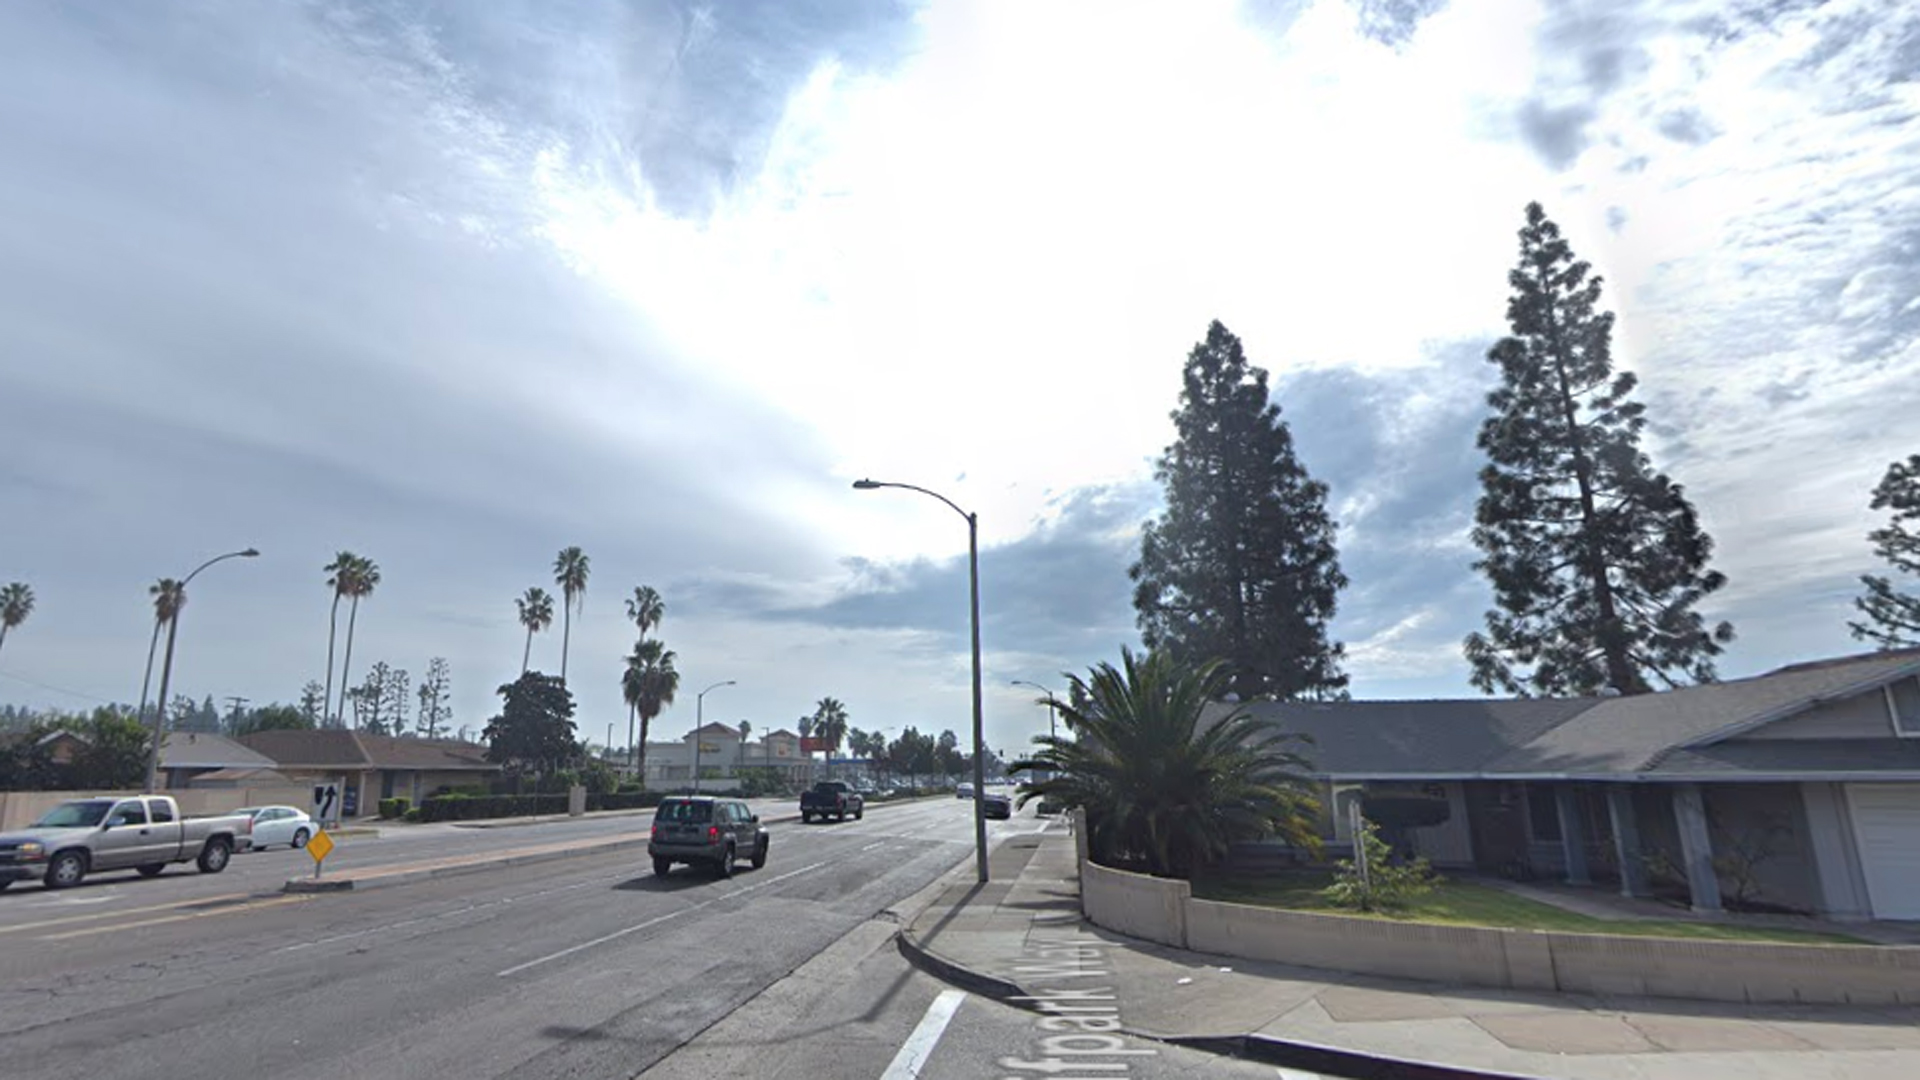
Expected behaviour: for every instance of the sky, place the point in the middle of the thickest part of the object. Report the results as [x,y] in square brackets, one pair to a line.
[456,285]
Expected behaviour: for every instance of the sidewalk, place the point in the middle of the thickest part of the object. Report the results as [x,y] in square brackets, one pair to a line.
[1022,936]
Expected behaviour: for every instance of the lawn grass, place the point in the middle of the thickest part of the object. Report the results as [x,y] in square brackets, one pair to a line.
[1466,904]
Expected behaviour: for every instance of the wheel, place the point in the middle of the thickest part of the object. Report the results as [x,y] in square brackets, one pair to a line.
[4,884]
[300,838]
[662,867]
[860,814]
[760,855]
[152,869]
[213,857]
[806,818]
[725,866]
[840,815]
[67,869]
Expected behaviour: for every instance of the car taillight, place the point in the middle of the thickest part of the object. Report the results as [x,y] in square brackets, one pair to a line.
[713,832]
[656,830]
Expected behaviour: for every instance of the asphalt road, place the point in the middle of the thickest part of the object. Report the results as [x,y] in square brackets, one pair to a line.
[585,967]
[260,871]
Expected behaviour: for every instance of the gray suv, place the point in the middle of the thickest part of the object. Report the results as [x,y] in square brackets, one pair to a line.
[706,830]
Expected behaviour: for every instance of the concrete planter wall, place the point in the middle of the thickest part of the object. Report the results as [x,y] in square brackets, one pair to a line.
[1165,911]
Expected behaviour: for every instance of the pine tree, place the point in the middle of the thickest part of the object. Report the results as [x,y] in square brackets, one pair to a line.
[1241,567]
[1597,560]
[1892,616]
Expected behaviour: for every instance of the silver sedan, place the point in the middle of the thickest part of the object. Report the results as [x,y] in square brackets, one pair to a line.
[276,825]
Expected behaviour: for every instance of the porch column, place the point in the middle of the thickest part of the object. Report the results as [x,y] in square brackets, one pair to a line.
[1573,834]
[1696,846]
[1626,840]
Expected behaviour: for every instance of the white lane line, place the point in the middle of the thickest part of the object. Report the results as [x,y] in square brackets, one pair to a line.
[875,844]
[656,921]
[919,1045]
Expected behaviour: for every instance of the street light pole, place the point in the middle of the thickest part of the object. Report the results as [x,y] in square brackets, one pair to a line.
[973,586]
[166,669]
[1050,728]
[699,721]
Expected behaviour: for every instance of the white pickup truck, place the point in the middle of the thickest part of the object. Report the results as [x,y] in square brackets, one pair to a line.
[143,833]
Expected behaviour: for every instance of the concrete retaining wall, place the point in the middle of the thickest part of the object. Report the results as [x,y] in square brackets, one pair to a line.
[1135,904]
[1164,911]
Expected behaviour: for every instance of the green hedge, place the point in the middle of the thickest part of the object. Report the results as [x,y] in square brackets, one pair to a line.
[470,808]
[624,800]
[395,808]
[411,815]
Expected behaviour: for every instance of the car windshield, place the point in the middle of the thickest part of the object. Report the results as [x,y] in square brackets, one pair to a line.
[684,811]
[75,815]
[250,811]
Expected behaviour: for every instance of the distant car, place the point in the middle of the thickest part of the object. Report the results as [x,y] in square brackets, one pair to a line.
[964,791]
[834,799]
[276,825]
[995,805]
[704,830]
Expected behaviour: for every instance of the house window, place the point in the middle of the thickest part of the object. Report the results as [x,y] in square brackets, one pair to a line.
[1543,814]
[1903,701]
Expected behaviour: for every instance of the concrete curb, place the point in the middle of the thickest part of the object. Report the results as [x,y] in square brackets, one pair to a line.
[973,982]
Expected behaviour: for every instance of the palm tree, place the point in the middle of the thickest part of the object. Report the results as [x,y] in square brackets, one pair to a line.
[647,611]
[570,573]
[16,603]
[746,729]
[168,597]
[649,686]
[830,724]
[536,613]
[340,580]
[1168,777]
[645,608]
[362,576]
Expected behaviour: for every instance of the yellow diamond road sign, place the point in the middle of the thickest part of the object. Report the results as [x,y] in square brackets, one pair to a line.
[320,845]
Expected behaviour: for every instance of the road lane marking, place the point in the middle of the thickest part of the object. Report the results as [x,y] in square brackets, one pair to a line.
[875,844]
[116,927]
[656,921]
[919,1046]
[98,915]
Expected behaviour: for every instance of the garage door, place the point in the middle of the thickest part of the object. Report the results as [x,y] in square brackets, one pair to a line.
[1886,822]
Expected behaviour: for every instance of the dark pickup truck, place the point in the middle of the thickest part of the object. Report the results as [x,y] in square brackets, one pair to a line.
[832,799]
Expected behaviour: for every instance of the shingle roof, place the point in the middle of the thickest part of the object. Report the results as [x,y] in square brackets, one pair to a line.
[334,749]
[1631,734]
[1426,738]
[1795,757]
[203,750]
[1584,736]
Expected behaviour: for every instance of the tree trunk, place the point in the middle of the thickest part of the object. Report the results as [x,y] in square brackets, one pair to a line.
[1619,672]
[566,637]
[333,629]
[630,712]
[160,714]
[146,681]
[526,654]
[346,662]
[640,749]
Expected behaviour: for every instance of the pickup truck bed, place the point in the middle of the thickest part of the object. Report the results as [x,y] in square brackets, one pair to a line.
[834,799]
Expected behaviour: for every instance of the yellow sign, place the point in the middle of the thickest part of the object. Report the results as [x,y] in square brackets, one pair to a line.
[320,845]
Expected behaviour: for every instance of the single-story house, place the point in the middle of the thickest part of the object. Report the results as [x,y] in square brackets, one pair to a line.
[1800,787]
[373,766]
[199,759]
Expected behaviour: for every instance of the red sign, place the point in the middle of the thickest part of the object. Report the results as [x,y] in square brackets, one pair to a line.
[811,745]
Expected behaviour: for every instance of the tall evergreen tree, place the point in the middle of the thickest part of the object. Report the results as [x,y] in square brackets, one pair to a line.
[1597,559]
[1893,616]
[1241,567]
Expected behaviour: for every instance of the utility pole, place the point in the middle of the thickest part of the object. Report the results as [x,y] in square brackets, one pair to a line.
[233,721]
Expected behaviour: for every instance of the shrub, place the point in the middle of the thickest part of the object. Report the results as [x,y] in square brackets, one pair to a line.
[412,814]
[1385,885]
[624,800]
[471,808]
[395,807]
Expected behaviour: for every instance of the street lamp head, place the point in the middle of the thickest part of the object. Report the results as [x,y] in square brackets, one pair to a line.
[865,485]
[250,553]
